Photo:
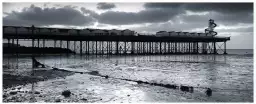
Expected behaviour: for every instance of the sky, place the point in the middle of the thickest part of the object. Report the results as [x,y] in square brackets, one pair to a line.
[233,19]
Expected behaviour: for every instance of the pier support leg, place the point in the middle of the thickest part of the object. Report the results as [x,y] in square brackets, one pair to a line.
[169,48]
[81,47]
[102,47]
[74,46]
[124,47]
[147,48]
[189,48]
[111,47]
[96,47]
[17,42]
[38,43]
[214,48]
[197,50]
[117,46]
[175,48]
[143,46]
[165,47]
[60,43]
[225,49]
[138,47]
[33,43]
[107,48]
[54,44]
[88,47]
[150,48]
[12,42]
[67,44]
[160,47]
[203,50]
[43,43]
[132,50]
[8,42]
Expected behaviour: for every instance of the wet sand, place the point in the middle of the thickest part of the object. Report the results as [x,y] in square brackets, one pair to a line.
[10,80]
[88,88]
[121,85]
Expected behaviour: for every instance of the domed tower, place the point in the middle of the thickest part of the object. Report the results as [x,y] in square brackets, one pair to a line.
[210,30]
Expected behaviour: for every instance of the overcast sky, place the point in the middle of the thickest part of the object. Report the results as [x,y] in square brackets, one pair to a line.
[233,19]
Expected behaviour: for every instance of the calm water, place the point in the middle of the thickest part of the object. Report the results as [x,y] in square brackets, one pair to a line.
[229,76]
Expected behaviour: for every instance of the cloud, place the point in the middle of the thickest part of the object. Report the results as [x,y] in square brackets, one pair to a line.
[221,7]
[89,12]
[163,5]
[226,19]
[200,7]
[226,13]
[171,16]
[66,15]
[144,16]
[193,23]
[105,6]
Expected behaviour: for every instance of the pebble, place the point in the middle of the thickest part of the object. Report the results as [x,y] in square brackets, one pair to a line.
[66,93]
[37,92]
[13,92]
[57,100]
[4,96]
[84,99]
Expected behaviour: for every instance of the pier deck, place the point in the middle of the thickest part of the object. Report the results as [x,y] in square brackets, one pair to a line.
[113,44]
[140,38]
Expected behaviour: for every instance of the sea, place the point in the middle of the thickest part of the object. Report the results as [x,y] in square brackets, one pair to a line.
[230,77]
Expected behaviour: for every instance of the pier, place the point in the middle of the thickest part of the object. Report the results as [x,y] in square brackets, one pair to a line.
[121,45]
[115,42]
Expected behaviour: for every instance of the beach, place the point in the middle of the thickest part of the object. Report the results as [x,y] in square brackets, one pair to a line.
[230,77]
